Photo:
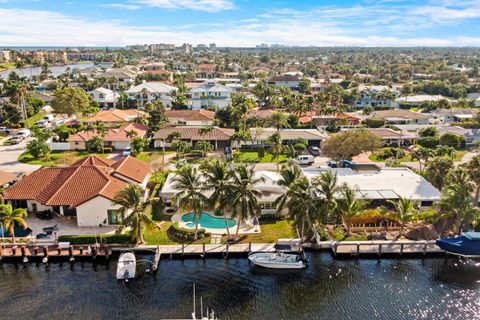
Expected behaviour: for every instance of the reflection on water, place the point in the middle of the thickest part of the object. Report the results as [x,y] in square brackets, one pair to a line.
[433,288]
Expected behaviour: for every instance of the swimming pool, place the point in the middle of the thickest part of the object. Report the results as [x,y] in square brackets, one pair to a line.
[207,221]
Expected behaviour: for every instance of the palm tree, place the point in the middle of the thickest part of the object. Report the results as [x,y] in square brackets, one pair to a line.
[349,206]
[191,192]
[216,175]
[276,147]
[10,217]
[241,195]
[404,212]
[326,185]
[131,198]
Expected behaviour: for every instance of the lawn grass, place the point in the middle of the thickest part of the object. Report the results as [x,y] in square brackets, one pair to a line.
[159,236]
[252,157]
[271,231]
[57,158]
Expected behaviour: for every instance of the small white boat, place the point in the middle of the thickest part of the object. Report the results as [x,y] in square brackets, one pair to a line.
[126,266]
[277,260]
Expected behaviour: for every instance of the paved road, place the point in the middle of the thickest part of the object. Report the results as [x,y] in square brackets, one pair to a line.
[9,156]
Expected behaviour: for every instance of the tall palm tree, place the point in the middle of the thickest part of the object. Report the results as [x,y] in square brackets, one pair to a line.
[11,217]
[191,192]
[276,147]
[131,198]
[241,195]
[349,206]
[404,212]
[216,175]
[328,188]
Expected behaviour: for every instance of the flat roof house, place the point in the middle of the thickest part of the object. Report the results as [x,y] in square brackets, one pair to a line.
[385,184]
[218,137]
[83,191]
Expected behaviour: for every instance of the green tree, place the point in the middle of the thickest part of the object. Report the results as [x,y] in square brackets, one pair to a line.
[404,212]
[344,145]
[70,100]
[437,170]
[11,217]
[191,192]
[131,199]
[349,206]
[242,195]
[216,175]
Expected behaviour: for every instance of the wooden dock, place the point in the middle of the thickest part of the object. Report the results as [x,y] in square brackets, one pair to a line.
[384,247]
[47,252]
[204,249]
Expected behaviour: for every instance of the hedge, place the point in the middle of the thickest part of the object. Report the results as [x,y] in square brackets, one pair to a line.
[101,238]
[185,234]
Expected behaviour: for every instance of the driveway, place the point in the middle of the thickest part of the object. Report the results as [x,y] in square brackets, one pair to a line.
[8,159]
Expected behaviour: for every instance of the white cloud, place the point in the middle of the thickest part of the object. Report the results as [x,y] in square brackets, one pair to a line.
[41,28]
[200,5]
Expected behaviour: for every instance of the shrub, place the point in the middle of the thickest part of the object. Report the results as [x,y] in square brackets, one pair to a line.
[450,139]
[429,142]
[185,234]
[375,122]
[91,239]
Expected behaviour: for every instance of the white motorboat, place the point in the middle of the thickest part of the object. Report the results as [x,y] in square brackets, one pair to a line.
[277,260]
[126,266]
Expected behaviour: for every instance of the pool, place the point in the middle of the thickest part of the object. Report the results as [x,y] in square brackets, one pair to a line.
[207,221]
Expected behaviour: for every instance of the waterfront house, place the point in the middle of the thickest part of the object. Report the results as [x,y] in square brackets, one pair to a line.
[114,117]
[115,138]
[210,94]
[104,97]
[83,191]
[200,117]
[151,91]
[379,186]
[218,137]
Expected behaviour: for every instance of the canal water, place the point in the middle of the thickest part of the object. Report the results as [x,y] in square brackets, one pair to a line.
[35,71]
[431,288]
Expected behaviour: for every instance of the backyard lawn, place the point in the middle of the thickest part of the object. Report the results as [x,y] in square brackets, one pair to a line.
[56,158]
[271,231]
[252,157]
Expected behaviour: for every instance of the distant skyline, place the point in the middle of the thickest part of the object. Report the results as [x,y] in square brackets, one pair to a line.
[387,23]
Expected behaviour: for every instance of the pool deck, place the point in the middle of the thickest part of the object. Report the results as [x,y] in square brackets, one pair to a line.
[245,228]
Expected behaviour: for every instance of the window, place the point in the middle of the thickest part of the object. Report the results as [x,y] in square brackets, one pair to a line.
[115,216]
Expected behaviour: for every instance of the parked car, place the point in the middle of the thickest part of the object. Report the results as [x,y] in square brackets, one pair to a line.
[5,129]
[305,159]
[314,151]
[127,151]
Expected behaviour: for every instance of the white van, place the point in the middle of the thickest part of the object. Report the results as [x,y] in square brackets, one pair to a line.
[306,159]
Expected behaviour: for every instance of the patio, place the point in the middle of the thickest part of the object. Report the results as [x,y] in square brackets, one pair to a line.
[65,226]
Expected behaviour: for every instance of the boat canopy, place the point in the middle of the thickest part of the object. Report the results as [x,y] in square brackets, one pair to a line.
[472,235]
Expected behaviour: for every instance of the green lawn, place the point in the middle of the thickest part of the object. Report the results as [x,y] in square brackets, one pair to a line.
[159,236]
[271,231]
[58,158]
[252,157]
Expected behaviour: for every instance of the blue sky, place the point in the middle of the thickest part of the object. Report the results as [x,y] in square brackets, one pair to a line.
[241,22]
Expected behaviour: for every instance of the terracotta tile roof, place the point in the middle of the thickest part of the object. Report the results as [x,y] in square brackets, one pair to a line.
[192,133]
[132,168]
[71,186]
[6,177]
[117,134]
[116,115]
[190,115]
